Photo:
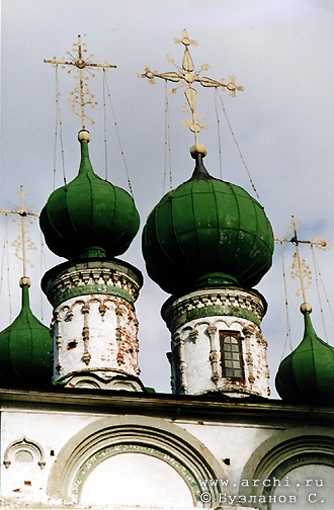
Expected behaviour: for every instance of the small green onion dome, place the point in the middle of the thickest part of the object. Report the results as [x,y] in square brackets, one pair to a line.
[207,232]
[89,217]
[26,347]
[306,375]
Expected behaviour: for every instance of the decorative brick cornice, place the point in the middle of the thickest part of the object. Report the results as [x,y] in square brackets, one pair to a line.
[232,301]
[92,277]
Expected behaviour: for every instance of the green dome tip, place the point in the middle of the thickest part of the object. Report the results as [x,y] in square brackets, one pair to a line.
[306,375]
[25,347]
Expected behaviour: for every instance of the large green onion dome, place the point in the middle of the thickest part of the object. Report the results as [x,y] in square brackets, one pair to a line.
[207,232]
[26,347]
[306,375]
[89,217]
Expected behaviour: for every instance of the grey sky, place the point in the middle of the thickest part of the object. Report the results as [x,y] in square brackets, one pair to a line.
[282,52]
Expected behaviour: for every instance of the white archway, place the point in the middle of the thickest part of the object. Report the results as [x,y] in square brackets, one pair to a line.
[161,449]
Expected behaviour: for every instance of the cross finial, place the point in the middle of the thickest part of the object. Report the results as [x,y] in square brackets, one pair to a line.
[299,268]
[81,98]
[187,76]
[23,242]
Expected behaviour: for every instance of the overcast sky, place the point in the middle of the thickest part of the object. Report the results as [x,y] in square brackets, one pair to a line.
[282,52]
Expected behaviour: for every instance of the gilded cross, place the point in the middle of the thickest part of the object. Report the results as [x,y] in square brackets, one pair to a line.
[299,268]
[22,243]
[187,76]
[81,97]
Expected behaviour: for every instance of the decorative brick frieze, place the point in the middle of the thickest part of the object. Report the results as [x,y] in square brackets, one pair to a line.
[92,277]
[230,302]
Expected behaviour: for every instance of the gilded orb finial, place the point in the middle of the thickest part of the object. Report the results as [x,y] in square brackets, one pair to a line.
[84,135]
[305,308]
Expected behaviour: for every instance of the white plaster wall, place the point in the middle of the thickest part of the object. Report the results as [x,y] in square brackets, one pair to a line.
[102,344]
[127,474]
[51,431]
[198,369]
[230,441]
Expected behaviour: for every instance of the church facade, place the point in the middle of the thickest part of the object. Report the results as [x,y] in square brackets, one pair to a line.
[79,448]
[97,438]
[78,427]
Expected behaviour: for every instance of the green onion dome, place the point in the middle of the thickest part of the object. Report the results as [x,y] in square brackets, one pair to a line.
[207,232]
[26,347]
[306,375]
[89,217]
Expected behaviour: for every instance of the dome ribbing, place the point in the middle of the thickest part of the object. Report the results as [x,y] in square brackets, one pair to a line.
[25,347]
[207,232]
[89,217]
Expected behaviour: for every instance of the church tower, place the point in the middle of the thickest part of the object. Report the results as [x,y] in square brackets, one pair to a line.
[208,243]
[90,221]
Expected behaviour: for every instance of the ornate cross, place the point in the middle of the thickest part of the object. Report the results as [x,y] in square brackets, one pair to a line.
[299,268]
[23,242]
[186,76]
[80,97]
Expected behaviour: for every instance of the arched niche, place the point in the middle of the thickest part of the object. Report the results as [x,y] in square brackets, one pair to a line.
[311,483]
[294,467]
[161,449]
[24,450]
